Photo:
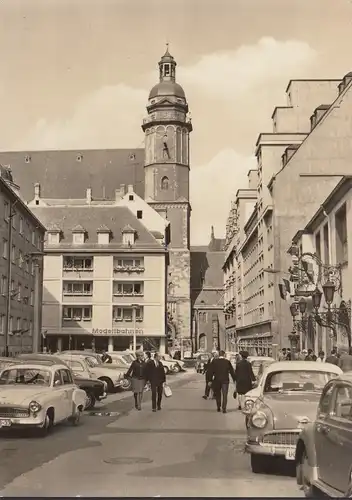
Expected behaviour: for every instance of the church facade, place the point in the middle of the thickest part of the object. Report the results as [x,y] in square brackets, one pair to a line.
[160,175]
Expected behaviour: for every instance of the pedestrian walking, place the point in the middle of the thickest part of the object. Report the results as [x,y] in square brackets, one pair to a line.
[244,377]
[345,361]
[288,355]
[207,374]
[137,371]
[310,356]
[157,379]
[282,354]
[220,370]
[321,357]
[333,359]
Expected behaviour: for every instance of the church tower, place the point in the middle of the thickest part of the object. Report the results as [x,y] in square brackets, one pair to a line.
[167,128]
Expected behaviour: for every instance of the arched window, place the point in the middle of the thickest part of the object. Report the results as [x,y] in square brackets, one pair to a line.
[165,183]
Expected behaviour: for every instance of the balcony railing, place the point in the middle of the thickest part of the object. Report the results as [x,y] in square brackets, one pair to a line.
[77,318]
[127,320]
[83,293]
[129,269]
[128,294]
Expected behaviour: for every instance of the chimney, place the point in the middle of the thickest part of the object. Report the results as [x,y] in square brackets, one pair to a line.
[89,195]
[37,191]
[212,236]
[122,189]
[130,188]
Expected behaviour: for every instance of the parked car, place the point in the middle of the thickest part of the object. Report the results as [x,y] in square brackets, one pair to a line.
[96,390]
[289,398]
[39,395]
[259,363]
[169,366]
[179,365]
[324,447]
[107,372]
[201,361]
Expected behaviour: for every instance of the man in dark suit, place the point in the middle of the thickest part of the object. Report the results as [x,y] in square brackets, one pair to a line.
[157,378]
[218,373]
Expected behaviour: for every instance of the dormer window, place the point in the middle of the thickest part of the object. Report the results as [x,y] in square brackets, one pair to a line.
[128,235]
[103,235]
[54,233]
[78,234]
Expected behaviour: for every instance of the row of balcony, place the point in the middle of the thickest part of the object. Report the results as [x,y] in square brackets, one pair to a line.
[86,264]
[120,289]
[75,316]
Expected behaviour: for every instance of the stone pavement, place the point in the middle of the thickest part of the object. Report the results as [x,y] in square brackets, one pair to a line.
[187,449]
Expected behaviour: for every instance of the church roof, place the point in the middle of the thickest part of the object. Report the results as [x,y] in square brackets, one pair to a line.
[68,174]
[167,88]
[91,220]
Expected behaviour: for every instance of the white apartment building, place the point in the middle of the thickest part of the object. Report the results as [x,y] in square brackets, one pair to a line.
[104,272]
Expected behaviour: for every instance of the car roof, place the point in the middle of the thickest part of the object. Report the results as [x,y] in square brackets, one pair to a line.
[312,366]
[41,358]
[261,358]
[36,364]
[81,353]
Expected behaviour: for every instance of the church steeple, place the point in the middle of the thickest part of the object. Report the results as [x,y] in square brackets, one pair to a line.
[167,67]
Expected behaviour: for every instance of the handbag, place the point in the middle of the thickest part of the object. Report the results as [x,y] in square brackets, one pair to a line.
[167,391]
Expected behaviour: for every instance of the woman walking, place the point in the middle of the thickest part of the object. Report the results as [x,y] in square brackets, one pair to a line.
[137,371]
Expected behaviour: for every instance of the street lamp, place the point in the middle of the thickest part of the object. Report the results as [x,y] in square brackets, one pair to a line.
[316,298]
[329,291]
[302,304]
[293,337]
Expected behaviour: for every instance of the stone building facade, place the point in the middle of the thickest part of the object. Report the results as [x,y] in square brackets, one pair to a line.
[299,163]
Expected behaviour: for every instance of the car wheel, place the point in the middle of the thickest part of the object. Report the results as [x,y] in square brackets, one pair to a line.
[258,463]
[48,424]
[177,369]
[126,384]
[301,475]
[90,401]
[110,385]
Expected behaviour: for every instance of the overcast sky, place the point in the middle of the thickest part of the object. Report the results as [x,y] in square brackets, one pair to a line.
[76,74]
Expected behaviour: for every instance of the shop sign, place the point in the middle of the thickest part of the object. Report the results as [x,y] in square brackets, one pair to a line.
[129,332]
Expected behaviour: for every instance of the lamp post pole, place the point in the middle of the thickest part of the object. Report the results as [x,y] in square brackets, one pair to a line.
[134,307]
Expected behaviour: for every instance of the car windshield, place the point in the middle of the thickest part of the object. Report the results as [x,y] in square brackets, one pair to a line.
[128,358]
[303,381]
[92,362]
[25,376]
[118,363]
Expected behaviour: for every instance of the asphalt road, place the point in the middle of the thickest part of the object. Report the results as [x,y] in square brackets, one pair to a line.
[187,449]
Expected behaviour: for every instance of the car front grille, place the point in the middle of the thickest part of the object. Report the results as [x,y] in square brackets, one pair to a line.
[285,438]
[14,412]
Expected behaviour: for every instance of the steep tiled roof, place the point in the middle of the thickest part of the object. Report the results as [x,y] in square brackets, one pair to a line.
[91,219]
[66,174]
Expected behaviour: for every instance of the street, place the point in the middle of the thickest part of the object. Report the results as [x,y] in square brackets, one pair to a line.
[187,449]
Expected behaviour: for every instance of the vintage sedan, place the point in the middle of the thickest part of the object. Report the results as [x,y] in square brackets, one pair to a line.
[291,391]
[324,447]
[96,390]
[39,395]
[107,372]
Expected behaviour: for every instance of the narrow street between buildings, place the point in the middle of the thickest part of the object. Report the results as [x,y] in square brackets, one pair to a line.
[186,449]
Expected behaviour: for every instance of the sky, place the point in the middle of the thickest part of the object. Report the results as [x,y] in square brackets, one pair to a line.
[76,74]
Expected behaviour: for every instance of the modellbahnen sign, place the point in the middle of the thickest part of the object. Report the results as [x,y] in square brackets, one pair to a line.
[116,331]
